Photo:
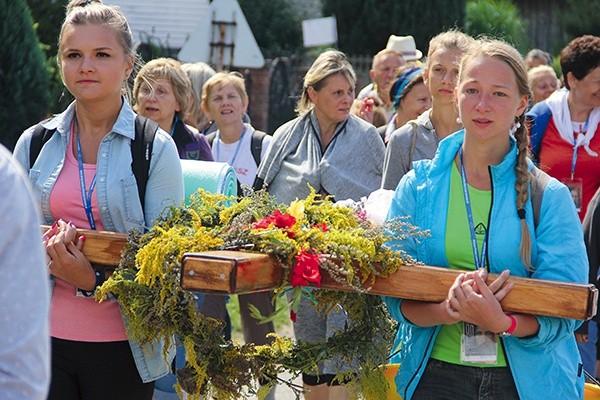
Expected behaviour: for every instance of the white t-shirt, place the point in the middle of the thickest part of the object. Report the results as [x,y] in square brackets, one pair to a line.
[242,162]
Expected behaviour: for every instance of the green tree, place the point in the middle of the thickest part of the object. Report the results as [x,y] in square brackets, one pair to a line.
[48,17]
[364,26]
[424,20]
[583,18]
[276,25]
[24,74]
[497,18]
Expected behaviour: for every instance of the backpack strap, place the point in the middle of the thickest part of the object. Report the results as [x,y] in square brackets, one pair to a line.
[256,145]
[141,153]
[539,180]
[39,137]
[141,149]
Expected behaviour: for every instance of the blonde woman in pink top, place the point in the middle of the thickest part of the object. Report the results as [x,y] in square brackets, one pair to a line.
[84,179]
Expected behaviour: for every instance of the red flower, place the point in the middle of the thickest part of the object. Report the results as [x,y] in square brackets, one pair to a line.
[279,220]
[322,226]
[306,269]
[283,220]
[263,223]
[293,316]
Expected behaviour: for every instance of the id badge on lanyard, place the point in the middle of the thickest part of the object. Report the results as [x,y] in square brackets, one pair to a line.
[477,345]
[575,185]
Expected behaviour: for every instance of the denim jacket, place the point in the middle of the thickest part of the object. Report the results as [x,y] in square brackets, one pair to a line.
[557,253]
[117,192]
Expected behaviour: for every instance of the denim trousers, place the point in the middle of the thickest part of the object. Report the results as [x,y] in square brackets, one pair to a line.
[442,380]
[588,350]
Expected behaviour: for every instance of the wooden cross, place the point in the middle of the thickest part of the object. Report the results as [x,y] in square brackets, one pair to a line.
[232,272]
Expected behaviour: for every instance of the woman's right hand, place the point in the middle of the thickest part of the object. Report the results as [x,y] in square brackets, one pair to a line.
[67,261]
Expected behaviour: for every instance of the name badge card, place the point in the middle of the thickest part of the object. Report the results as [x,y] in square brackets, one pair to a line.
[478,346]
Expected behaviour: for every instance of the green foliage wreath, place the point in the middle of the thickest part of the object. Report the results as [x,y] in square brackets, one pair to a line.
[309,237]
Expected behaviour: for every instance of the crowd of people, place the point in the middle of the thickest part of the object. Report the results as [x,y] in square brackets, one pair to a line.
[459,137]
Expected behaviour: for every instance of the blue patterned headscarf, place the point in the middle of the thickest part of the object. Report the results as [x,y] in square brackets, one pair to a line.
[398,88]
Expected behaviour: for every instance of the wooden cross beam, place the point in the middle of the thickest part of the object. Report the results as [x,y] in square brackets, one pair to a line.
[101,247]
[231,272]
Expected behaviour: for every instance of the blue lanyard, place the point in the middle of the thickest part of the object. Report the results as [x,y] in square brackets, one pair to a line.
[86,196]
[582,131]
[574,159]
[237,149]
[479,259]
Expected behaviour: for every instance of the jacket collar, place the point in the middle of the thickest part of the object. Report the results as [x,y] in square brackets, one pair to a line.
[125,124]
[448,148]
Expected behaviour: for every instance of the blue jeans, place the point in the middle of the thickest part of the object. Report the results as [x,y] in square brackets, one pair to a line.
[588,349]
[442,381]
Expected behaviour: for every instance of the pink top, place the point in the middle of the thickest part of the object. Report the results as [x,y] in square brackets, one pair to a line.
[72,316]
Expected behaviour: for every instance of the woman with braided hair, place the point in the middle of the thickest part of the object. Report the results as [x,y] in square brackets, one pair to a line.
[473,197]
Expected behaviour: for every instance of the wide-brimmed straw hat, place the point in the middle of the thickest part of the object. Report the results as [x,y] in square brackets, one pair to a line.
[406,46]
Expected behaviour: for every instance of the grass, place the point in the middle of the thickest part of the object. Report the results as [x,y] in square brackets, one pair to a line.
[282,323]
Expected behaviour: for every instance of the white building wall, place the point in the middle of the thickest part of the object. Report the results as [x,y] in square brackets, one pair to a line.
[166,23]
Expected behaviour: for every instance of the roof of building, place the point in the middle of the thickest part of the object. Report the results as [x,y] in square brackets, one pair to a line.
[167,23]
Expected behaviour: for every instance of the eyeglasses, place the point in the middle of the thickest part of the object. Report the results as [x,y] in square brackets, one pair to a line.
[546,86]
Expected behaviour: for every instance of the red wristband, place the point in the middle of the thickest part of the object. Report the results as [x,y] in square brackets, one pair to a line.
[513,325]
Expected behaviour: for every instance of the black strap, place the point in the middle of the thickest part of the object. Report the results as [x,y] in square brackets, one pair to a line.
[539,182]
[141,153]
[256,145]
[141,149]
[255,148]
[40,136]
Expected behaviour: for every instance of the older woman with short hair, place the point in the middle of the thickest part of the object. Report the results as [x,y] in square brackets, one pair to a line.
[163,93]
[542,82]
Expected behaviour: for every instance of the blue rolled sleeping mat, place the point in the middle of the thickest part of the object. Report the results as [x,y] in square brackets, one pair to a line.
[214,177]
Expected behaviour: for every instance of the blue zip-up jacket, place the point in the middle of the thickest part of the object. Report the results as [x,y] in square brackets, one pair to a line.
[117,192]
[558,253]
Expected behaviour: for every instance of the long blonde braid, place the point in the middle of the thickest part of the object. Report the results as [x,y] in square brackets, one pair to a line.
[522,188]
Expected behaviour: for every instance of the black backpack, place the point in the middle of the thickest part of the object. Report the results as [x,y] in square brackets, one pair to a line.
[255,146]
[141,149]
